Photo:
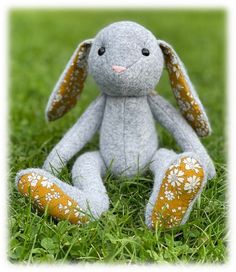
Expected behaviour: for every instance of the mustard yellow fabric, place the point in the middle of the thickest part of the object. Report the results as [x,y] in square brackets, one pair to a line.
[70,85]
[180,185]
[47,195]
[187,103]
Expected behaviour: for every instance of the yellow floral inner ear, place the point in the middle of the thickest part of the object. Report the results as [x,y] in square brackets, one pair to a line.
[70,84]
[47,195]
[180,185]
[189,106]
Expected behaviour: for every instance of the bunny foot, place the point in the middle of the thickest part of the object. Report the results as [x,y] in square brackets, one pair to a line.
[48,193]
[177,192]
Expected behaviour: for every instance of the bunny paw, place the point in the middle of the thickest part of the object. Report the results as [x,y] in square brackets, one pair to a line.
[45,193]
[180,186]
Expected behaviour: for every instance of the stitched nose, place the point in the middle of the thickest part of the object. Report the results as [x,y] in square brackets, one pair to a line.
[118,69]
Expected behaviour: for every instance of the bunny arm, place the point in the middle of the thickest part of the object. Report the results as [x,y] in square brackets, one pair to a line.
[75,139]
[183,133]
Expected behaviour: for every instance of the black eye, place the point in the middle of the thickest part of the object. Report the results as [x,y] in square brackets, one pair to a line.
[101,51]
[145,52]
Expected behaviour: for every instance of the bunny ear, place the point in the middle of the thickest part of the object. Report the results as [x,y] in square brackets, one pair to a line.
[70,84]
[185,94]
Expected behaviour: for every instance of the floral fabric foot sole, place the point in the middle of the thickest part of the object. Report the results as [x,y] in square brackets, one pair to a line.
[179,188]
[45,194]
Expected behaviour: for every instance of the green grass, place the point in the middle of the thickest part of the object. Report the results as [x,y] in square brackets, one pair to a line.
[41,42]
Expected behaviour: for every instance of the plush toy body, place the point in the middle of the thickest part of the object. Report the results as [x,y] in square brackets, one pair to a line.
[126,61]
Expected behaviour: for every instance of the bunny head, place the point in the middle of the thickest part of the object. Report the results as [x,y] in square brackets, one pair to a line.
[125,59]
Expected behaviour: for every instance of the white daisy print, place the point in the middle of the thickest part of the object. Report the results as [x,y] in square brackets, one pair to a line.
[174,60]
[56,195]
[169,66]
[190,117]
[48,196]
[202,123]
[77,211]
[191,96]
[176,71]
[175,165]
[62,207]
[200,117]
[174,221]
[165,206]
[166,51]
[192,183]
[60,110]
[169,195]
[66,208]
[177,93]
[175,178]
[46,183]
[192,164]
[202,131]
[184,106]
[59,96]
[33,179]
[179,86]
[37,201]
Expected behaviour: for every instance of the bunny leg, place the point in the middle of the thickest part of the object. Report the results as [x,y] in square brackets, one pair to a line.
[87,174]
[178,181]
[61,200]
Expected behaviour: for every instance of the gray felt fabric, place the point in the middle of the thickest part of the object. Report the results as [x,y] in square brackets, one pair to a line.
[77,136]
[184,135]
[124,42]
[89,193]
[128,138]
[161,161]
[125,114]
[82,63]
[87,174]
[189,83]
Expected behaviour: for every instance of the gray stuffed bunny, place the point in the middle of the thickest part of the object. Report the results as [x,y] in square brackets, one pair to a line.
[126,61]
